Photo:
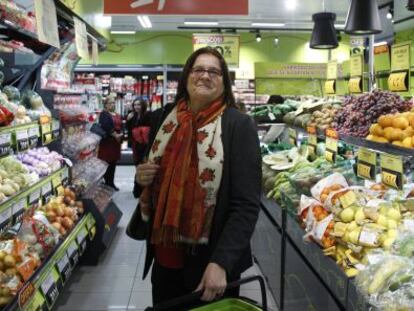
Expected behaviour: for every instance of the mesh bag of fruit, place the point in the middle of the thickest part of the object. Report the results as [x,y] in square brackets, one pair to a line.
[37,235]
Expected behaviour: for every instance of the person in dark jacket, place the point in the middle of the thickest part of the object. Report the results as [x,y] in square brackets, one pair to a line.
[202,185]
[138,117]
[110,146]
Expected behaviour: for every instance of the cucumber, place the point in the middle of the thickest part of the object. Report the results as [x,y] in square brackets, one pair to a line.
[400,281]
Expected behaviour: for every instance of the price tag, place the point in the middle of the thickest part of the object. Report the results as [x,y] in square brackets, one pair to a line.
[5,143]
[292,137]
[81,235]
[5,216]
[34,135]
[27,296]
[354,85]
[65,176]
[34,197]
[47,192]
[73,253]
[366,164]
[63,266]
[271,116]
[392,171]
[398,82]
[330,87]
[56,182]
[49,289]
[348,199]
[331,145]
[312,140]
[368,238]
[20,205]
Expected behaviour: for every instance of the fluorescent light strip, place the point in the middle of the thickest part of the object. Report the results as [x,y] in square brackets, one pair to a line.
[381,43]
[268,24]
[202,23]
[144,21]
[122,32]
[339,25]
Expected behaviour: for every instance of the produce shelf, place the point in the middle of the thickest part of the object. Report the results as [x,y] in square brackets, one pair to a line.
[362,142]
[274,210]
[55,269]
[356,301]
[14,203]
[19,59]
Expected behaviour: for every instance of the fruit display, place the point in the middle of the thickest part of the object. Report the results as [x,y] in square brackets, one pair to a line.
[63,211]
[397,129]
[323,119]
[12,12]
[359,112]
[42,161]
[273,112]
[36,109]
[23,248]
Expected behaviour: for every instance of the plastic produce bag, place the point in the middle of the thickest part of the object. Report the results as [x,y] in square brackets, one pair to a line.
[331,183]
[37,235]
[304,205]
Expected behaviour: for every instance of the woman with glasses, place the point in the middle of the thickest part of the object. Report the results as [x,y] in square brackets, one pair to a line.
[202,186]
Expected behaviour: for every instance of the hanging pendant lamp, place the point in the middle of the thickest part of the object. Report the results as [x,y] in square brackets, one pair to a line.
[324,34]
[363,18]
[410,5]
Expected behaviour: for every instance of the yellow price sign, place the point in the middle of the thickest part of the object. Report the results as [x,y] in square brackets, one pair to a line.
[354,85]
[397,82]
[400,56]
[392,171]
[367,163]
[364,171]
[330,87]
[390,179]
[330,156]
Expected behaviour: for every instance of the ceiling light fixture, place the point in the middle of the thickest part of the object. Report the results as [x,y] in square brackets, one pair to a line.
[323,33]
[258,37]
[363,18]
[122,32]
[102,21]
[390,13]
[276,41]
[410,5]
[201,23]
[268,24]
[381,43]
[291,4]
[144,21]
[339,26]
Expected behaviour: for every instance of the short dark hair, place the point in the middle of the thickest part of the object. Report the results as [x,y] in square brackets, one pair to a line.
[182,92]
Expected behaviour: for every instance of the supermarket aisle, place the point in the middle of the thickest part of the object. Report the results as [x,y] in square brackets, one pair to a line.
[116,284]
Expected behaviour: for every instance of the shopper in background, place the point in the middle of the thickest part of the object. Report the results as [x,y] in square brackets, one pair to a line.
[138,129]
[202,185]
[138,125]
[110,146]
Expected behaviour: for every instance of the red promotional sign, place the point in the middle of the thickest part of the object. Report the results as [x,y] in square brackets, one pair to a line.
[177,7]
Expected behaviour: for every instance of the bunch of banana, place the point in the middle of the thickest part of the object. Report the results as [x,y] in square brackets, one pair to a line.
[344,257]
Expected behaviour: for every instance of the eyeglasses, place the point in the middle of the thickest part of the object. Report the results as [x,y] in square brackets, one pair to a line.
[212,73]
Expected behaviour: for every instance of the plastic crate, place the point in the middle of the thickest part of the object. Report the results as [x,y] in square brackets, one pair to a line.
[229,305]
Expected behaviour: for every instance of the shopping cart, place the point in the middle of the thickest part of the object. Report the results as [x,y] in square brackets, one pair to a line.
[225,304]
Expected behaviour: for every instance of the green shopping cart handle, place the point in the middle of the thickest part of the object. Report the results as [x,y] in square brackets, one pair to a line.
[196,295]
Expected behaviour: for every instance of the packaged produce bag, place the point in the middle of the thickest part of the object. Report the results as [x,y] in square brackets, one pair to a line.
[327,185]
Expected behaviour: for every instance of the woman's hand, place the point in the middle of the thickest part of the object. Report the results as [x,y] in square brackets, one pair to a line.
[213,283]
[145,173]
[130,116]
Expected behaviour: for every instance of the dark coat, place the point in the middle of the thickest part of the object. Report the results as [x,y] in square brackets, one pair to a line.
[238,201]
[109,148]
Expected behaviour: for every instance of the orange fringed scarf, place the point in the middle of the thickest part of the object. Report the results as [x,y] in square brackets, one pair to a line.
[182,211]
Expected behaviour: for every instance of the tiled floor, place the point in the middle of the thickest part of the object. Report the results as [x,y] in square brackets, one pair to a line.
[116,283]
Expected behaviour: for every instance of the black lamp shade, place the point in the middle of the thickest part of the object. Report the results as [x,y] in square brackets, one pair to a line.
[363,18]
[324,34]
[410,5]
